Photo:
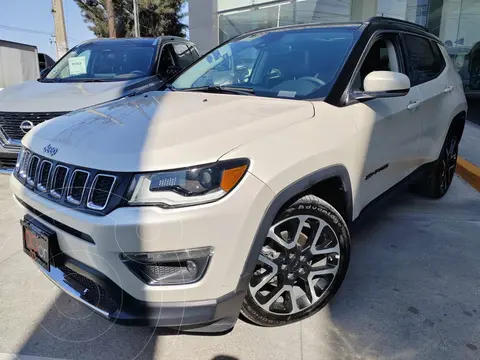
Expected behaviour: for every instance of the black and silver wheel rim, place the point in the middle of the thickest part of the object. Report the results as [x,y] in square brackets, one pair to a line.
[297,265]
[448,164]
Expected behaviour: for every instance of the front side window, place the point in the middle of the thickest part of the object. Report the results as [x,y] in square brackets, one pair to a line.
[381,57]
[183,55]
[294,63]
[422,63]
[104,61]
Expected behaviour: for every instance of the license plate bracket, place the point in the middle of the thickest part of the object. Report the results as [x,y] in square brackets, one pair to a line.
[38,241]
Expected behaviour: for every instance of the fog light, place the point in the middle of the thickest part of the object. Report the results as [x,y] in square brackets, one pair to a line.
[170,267]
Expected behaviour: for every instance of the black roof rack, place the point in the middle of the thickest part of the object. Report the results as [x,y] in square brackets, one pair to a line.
[378,19]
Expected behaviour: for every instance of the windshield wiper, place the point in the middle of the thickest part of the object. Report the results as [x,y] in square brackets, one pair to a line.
[170,87]
[223,89]
[49,80]
[90,80]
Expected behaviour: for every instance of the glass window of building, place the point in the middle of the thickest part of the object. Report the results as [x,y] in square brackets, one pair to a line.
[455,22]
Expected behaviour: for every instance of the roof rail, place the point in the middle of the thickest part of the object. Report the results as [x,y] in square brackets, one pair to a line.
[399,21]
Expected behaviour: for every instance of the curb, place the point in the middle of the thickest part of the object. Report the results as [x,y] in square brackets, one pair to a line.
[469,172]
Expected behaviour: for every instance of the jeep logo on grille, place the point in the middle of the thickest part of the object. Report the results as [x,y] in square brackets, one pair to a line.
[50,150]
[26,126]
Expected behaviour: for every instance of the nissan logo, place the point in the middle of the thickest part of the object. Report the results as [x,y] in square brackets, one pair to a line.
[26,126]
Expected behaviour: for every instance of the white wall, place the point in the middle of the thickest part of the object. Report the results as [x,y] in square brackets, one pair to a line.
[203,24]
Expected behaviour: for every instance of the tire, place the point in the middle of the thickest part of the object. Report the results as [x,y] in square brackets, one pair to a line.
[299,270]
[437,182]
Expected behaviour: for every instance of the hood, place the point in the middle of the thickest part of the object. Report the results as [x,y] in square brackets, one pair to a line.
[35,96]
[163,130]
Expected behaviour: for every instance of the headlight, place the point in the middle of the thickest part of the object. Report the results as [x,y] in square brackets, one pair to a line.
[184,187]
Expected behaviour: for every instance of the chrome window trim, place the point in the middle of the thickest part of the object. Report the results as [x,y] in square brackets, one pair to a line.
[52,181]
[69,190]
[31,181]
[39,186]
[92,206]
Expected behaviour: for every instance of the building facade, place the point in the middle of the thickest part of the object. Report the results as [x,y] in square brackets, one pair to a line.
[455,22]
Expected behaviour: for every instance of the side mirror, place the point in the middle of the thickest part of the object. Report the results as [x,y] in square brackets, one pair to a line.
[383,84]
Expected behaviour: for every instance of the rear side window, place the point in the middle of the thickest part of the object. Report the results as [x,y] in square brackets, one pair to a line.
[439,59]
[183,54]
[194,52]
[424,62]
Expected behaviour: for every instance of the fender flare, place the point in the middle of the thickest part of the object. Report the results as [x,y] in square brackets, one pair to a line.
[280,199]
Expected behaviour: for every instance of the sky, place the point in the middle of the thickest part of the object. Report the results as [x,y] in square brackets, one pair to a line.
[31,22]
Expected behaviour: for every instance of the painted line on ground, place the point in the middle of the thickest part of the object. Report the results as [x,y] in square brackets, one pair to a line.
[5,356]
[469,172]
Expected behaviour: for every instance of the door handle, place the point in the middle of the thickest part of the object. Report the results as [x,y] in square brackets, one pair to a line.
[448,89]
[414,104]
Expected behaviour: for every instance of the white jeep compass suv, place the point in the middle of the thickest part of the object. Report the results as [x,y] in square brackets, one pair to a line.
[234,189]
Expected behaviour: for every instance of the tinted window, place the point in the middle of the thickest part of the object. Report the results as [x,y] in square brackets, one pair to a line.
[440,60]
[195,54]
[294,64]
[183,55]
[166,61]
[422,63]
[377,59]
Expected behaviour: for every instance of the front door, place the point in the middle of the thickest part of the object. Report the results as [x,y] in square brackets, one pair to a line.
[388,127]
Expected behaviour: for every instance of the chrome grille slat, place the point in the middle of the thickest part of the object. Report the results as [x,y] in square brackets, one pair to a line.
[58,182]
[77,186]
[44,175]
[98,197]
[25,164]
[32,170]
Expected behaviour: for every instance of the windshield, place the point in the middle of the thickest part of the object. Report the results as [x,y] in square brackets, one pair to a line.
[105,61]
[294,63]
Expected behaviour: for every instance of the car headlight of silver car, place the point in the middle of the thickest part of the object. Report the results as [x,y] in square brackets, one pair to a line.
[189,186]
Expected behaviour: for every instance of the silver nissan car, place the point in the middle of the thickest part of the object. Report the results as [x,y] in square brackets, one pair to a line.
[94,72]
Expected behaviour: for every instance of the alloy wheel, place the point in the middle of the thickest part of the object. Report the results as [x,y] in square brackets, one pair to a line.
[448,164]
[297,265]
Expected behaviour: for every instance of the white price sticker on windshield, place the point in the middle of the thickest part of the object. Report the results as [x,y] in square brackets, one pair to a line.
[77,65]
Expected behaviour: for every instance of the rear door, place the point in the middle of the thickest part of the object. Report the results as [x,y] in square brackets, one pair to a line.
[428,72]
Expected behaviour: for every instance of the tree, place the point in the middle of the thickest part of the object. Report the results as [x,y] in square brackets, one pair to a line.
[157,17]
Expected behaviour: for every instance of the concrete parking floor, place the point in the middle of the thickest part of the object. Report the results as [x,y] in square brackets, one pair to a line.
[412,292]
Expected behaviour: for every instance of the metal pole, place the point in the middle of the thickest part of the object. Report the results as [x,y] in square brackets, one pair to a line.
[60,31]
[136,20]
[111,19]
[459,19]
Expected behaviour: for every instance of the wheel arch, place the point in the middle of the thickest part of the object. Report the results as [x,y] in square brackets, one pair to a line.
[311,183]
[458,124]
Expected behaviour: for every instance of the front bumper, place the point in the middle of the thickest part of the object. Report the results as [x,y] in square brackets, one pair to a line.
[92,246]
[100,294]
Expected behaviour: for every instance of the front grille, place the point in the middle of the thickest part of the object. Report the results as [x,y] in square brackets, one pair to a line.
[24,164]
[59,180]
[77,186]
[32,169]
[84,189]
[10,122]
[7,163]
[44,175]
[100,192]
[96,294]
